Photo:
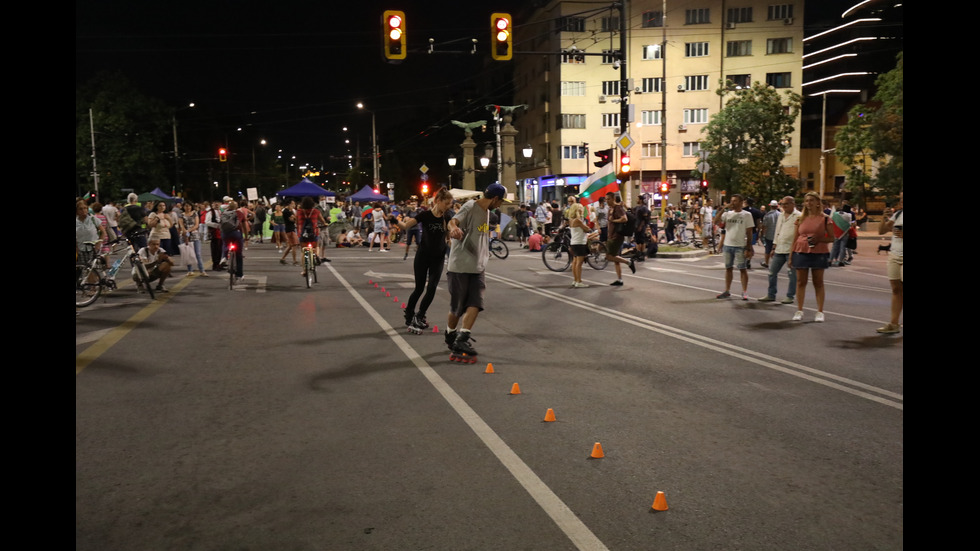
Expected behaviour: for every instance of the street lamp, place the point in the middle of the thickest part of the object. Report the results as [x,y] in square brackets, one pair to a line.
[823,134]
[374,145]
[176,152]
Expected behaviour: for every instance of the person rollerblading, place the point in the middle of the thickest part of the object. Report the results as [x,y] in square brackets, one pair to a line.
[418,325]
[462,351]
[450,338]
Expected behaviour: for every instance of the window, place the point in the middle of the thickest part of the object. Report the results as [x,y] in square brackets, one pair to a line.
[610,120]
[609,24]
[610,87]
[739,15]
[695,116]
[572,57]
[780,11]
[740,81]
[652,51]
[697,82]
[608,56]
[572,88]
[694,17]
[652,84]
[572,121]
[779,80]
[779,46]
[653,19]
[572,152]
[692,149]
[570,24]
[651,118]
[696,49]
[652,149]
[737,48]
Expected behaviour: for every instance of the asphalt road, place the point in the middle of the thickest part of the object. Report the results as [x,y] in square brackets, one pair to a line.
[276,417]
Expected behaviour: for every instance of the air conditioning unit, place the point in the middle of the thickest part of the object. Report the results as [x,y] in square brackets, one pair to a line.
[680,87]
[602,99]
[617,131]
[682,127]
[730,25]
[788,21]
[638,90]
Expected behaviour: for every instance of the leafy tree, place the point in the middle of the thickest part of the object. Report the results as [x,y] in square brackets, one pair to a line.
[874,135]
[746,141]
[130,130]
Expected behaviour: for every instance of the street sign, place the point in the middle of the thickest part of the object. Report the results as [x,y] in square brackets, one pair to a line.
[625,142]
[423,169]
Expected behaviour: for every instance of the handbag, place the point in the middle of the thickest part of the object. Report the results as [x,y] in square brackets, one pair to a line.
[187,255]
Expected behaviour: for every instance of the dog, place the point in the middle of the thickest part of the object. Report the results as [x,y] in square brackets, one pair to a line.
[884,247]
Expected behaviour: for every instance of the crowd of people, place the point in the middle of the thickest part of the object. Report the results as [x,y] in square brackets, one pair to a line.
[804,239]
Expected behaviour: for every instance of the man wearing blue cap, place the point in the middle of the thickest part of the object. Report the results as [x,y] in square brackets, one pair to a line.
[469,230]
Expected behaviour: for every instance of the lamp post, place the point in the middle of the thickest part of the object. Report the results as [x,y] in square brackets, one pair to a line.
[374,145]
[823,134]
[176,152]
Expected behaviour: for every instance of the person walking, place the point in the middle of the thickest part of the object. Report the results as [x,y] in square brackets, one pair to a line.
[736,249]
[769,230]
[783,235]
[289,223]
[522,225]
[189,222]
[811,252]
[278,228]
[430,256]
[468,255]
[380,222]
[614,239]
[896,271]
[159,222]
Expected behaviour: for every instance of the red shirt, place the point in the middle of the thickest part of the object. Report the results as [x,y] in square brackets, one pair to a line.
[301,216]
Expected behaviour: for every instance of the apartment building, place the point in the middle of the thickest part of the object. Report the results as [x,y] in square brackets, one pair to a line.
[584,94]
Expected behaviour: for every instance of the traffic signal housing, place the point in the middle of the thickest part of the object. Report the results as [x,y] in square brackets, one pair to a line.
[605,157]
[704,185]
[222,154]
[425,189]
[393,31]
[501,36]
[664,188]
[624,166]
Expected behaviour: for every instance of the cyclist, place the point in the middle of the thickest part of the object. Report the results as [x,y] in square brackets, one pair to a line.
[429,256]
[308,225]
[234,226]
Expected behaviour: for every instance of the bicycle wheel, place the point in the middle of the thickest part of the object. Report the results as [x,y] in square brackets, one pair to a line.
[556,257]
[144,277]
[232,267]
[308,267]
[597,258]
[88,285]
[499,248]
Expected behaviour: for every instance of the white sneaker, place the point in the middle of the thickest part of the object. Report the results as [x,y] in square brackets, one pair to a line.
[819,317]
[798,316]
[579,284]
[384,250]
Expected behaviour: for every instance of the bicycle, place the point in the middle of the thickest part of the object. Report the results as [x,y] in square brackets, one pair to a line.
[557,256]
[498,248]
[90,274]
[309,265]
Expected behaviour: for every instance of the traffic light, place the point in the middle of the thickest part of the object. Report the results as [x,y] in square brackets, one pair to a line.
[704,185]
[393,30]
[501,36]
[425,189]
[222,154]
[664,188]
[605,157]
[624,166]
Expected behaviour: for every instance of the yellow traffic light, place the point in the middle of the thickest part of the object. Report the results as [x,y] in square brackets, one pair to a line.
[393,35]
[222,154]
[501,36]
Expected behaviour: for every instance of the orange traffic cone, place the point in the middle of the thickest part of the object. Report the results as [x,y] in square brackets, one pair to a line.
[396,299]
[403,306]
[550,416]
[435,328]
[383,290]
[489,368]
[387,294]
[597,451]
[660,502]
[515,389]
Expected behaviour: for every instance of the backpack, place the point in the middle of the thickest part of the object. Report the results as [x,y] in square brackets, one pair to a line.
[229,221]
[126,222]
[629,227]
[308,233]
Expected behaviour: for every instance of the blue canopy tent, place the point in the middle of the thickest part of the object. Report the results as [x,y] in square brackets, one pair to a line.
[367,195]
[305,188]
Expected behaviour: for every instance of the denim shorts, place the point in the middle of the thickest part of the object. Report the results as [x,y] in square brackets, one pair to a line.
[811,261]
[734,257]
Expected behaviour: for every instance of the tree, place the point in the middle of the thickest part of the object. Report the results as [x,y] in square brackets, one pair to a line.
[747,141]
[873,139]
[131,131]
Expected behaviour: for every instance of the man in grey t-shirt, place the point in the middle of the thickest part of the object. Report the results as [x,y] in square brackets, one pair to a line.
[470,233]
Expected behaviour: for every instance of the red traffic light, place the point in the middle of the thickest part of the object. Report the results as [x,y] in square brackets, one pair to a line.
[664,187]
[425,189]
[624,164]
[393,35]
[502,36]
[222,154]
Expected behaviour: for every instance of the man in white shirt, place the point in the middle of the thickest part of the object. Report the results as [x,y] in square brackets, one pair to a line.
[782,250]
[111,214]
[737,247]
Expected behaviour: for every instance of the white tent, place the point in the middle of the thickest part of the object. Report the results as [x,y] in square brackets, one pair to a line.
[464,194]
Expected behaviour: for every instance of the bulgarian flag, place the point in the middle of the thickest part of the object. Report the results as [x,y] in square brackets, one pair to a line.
[598,185]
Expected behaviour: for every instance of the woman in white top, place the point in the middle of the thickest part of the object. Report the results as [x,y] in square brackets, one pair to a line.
[579,242]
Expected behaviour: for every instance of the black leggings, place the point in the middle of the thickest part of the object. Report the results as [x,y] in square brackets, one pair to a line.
[426,270]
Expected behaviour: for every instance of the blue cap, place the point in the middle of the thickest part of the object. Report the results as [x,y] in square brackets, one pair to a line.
[495,190]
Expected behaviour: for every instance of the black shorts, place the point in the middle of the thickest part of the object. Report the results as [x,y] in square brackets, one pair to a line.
[579,250]
[465,291]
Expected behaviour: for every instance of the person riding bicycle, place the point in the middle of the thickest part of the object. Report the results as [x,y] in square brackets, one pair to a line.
[308,222]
